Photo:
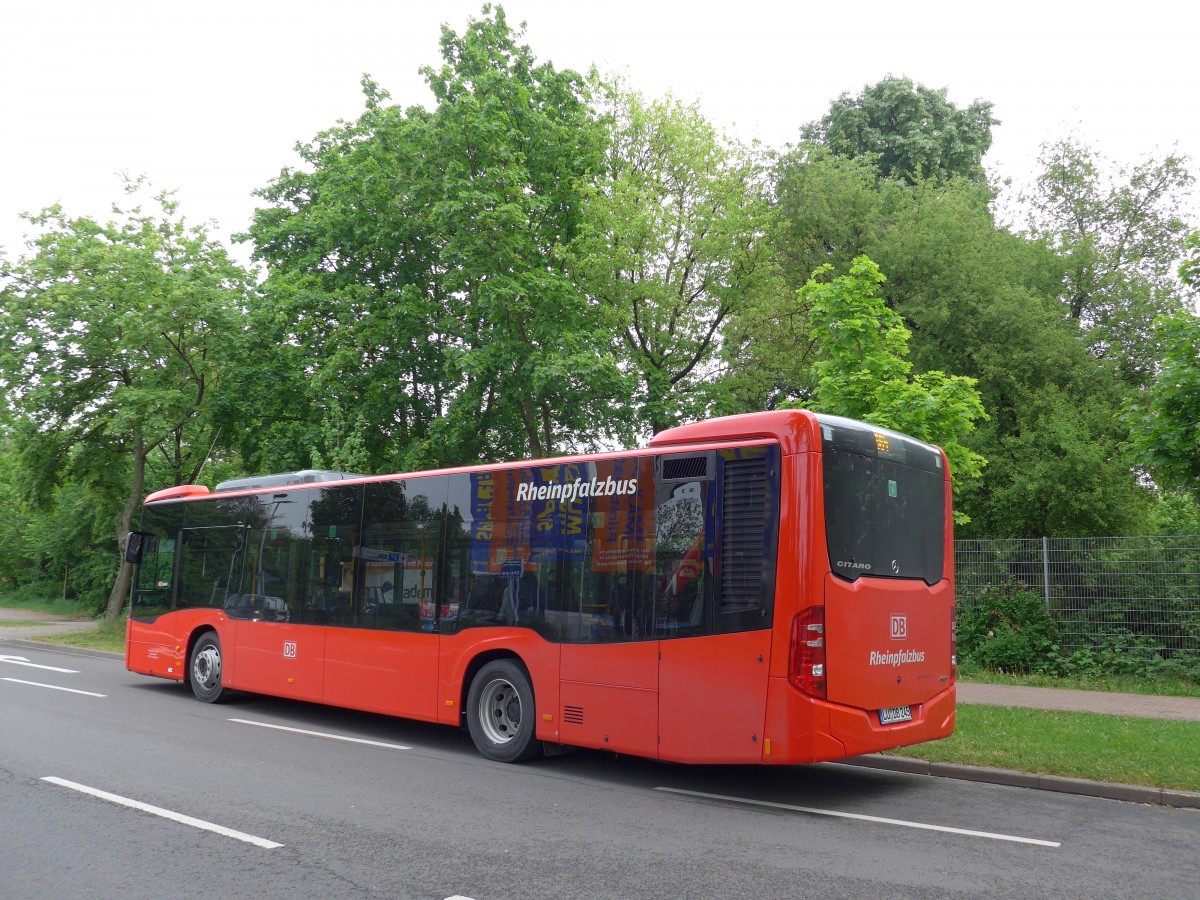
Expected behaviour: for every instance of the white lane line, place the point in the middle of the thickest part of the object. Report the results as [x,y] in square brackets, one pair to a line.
[54,687]
[322,734]
[879,820]
[22,661]
[165,813]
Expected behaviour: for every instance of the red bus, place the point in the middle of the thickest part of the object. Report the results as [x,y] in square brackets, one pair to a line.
[768,588]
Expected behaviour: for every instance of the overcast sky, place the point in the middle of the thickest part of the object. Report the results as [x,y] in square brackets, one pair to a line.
[210,97]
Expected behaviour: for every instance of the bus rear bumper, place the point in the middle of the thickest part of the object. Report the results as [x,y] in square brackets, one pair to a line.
[801,729]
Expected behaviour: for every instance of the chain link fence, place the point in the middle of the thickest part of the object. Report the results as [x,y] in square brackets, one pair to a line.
[1095,588]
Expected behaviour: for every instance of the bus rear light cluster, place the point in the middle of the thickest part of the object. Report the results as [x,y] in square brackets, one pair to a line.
[806,669]
[953,644]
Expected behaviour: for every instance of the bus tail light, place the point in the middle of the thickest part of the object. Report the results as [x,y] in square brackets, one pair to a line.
[954,645]
[807,662]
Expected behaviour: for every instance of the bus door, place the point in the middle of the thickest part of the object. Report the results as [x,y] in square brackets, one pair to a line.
[382,656]
[275,651]
[715,564]
[153,652]
[600,592]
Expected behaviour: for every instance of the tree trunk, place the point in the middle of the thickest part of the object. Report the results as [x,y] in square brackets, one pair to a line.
[120,591]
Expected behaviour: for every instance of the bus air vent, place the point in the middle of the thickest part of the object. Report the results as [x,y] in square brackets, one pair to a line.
[573,715]
[685,468]
[744,534]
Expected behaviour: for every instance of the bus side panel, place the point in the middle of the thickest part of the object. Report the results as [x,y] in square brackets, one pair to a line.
[277,658]
[151,647]
[712,697]
[797,728]
[390,672]
[539,656]
[803,559]
[610,697]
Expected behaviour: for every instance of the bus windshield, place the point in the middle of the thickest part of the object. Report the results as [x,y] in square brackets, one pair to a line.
[885,503]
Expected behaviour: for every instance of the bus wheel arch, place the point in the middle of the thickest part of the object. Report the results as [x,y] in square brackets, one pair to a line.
[499,708]
[205,667]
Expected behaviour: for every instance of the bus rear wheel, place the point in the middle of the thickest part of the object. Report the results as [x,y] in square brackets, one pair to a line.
[500,712]
[204,669]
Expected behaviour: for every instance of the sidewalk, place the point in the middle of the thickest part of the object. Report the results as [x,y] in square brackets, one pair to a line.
[40,625]
[1144,706]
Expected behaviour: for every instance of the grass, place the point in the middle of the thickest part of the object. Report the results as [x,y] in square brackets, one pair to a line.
[1153,752]
[1126,684]
[35,601]
[105,636]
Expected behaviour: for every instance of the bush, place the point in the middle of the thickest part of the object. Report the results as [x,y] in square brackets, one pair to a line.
[1009,630]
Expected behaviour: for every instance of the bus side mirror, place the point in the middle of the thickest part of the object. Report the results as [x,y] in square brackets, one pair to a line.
[133,546]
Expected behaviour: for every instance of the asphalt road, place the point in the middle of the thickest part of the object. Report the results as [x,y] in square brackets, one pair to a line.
[265,798]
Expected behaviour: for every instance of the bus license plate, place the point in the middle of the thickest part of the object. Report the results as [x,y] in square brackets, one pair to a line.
[894,714]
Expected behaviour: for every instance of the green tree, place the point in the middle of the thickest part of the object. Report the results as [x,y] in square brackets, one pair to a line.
[351,339]
[670,247]
[417,286]
[113,338]
[979,301]
[515,143]
[863,373]
[907,130]
[1165,420]
[1120,234]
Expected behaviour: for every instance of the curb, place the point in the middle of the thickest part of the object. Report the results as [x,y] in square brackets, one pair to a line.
[1128,793]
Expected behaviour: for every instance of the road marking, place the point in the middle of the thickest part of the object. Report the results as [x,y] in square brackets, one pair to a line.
[322,734]
[165,813]
[54,687]
[22,661]
[864,818]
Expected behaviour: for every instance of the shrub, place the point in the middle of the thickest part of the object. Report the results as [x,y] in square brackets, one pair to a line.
[1008,629]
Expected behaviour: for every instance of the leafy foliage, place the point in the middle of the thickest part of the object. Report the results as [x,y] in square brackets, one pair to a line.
[1166,420]
[862,371]
[671,246]
[114,338]
[1007,629]
[907,130]
[417,285]
[1119,232]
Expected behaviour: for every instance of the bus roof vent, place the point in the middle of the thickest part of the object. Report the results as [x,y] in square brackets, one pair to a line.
[685,468]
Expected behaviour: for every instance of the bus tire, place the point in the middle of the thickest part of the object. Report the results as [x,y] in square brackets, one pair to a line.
[500,712]
[204,669]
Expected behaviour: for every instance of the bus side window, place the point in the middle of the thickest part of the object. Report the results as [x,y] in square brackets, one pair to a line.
[152,592]
[210,565]
[335,520]
[681,559]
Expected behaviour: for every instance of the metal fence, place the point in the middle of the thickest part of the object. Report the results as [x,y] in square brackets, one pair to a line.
[1095,588]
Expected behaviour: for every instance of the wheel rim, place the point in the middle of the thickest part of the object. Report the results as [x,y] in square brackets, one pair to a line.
[206,668]
[500,711]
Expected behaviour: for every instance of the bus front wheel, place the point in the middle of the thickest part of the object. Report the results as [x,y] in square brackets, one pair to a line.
[204,669]
[500,712]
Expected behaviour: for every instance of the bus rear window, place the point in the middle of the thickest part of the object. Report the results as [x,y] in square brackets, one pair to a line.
[885,504]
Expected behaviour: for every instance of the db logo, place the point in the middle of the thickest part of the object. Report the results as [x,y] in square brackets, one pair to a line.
[899,628]
[289,647]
